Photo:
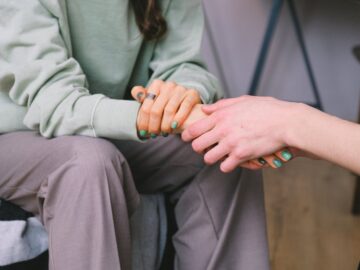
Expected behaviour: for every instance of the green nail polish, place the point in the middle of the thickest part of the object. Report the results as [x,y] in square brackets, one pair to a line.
[174,125]
[277,163]
[143,133]
[153,135]
[286,155]
[139,96]
[262,161]
[164,134]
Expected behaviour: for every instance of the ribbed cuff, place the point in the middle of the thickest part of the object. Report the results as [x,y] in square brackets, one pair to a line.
[116,119]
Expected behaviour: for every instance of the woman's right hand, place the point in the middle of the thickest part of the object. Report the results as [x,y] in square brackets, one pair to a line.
[244,129]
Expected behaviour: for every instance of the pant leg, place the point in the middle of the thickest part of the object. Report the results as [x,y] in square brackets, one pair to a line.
[83,191]
[220,217]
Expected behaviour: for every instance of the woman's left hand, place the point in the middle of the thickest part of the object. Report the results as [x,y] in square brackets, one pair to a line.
[165,107]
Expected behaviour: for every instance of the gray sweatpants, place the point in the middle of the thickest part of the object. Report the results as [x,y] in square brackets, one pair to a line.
[84,190]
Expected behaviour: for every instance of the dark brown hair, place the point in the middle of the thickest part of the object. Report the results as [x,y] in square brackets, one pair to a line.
[149,18]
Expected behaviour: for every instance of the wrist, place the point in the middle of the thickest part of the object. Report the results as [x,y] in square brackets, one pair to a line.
[295,123]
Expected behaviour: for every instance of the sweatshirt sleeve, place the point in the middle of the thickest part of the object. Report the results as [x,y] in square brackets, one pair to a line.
[177,56]
[38,72]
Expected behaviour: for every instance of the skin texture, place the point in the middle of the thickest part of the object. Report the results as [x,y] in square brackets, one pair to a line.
[169,110]
[175,103]
[240,134]
[247,127]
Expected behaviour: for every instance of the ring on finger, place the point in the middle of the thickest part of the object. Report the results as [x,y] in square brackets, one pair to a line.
[151,96]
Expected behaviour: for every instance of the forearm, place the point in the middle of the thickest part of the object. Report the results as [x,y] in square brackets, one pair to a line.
[325,136]
[48,85]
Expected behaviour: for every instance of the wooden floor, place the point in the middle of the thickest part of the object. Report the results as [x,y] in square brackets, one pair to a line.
[310,225]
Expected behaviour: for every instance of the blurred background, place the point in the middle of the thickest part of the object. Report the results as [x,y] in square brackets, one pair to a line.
[308,203]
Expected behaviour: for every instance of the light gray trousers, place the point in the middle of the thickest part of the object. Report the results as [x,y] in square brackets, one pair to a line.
[84,190]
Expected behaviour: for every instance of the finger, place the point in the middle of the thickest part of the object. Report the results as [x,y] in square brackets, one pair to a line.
[229,164]
[195,130]
[171,108]
[208,109]
[260,162]
[284,155]
[145,109]
[215,154]
[138,93]
[157,109]
[273,161]
[250,166]
[190,100]
[206,140]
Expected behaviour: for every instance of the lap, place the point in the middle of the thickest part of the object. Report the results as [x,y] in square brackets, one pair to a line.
[161,164]
[26,158]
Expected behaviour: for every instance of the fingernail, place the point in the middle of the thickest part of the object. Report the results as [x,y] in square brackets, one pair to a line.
[262,161]
[277,163]
[139,96]
[174,125]
[164,134]
[286,155]
[143,133]
[153,135]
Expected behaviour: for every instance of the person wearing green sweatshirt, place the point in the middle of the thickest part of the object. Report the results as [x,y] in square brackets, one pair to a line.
[75,149]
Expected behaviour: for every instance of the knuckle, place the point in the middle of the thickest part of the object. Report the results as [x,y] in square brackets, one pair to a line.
[223,133]
[145,110]
[180,89]
[230,142]
[196,146]
[156,83]
[209,159]
[187,104]
[239,154]
[192,92]
[169,110]
[192,131]
[156,112]
[170,84]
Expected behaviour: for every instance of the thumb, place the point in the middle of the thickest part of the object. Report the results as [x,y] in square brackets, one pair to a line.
[208,109]
[138,93]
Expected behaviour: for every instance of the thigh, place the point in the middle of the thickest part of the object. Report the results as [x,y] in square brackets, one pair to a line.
[25,159]
[28,159]
[162,164]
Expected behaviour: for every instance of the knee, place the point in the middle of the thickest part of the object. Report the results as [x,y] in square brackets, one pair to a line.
[96,154]
[95,161]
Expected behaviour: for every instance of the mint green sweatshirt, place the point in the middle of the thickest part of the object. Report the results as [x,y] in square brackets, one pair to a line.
[67,67]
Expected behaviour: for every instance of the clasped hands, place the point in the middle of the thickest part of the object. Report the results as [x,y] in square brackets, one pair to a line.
[227,131]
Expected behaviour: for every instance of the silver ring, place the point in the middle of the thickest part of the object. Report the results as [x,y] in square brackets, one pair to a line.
[150,96]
